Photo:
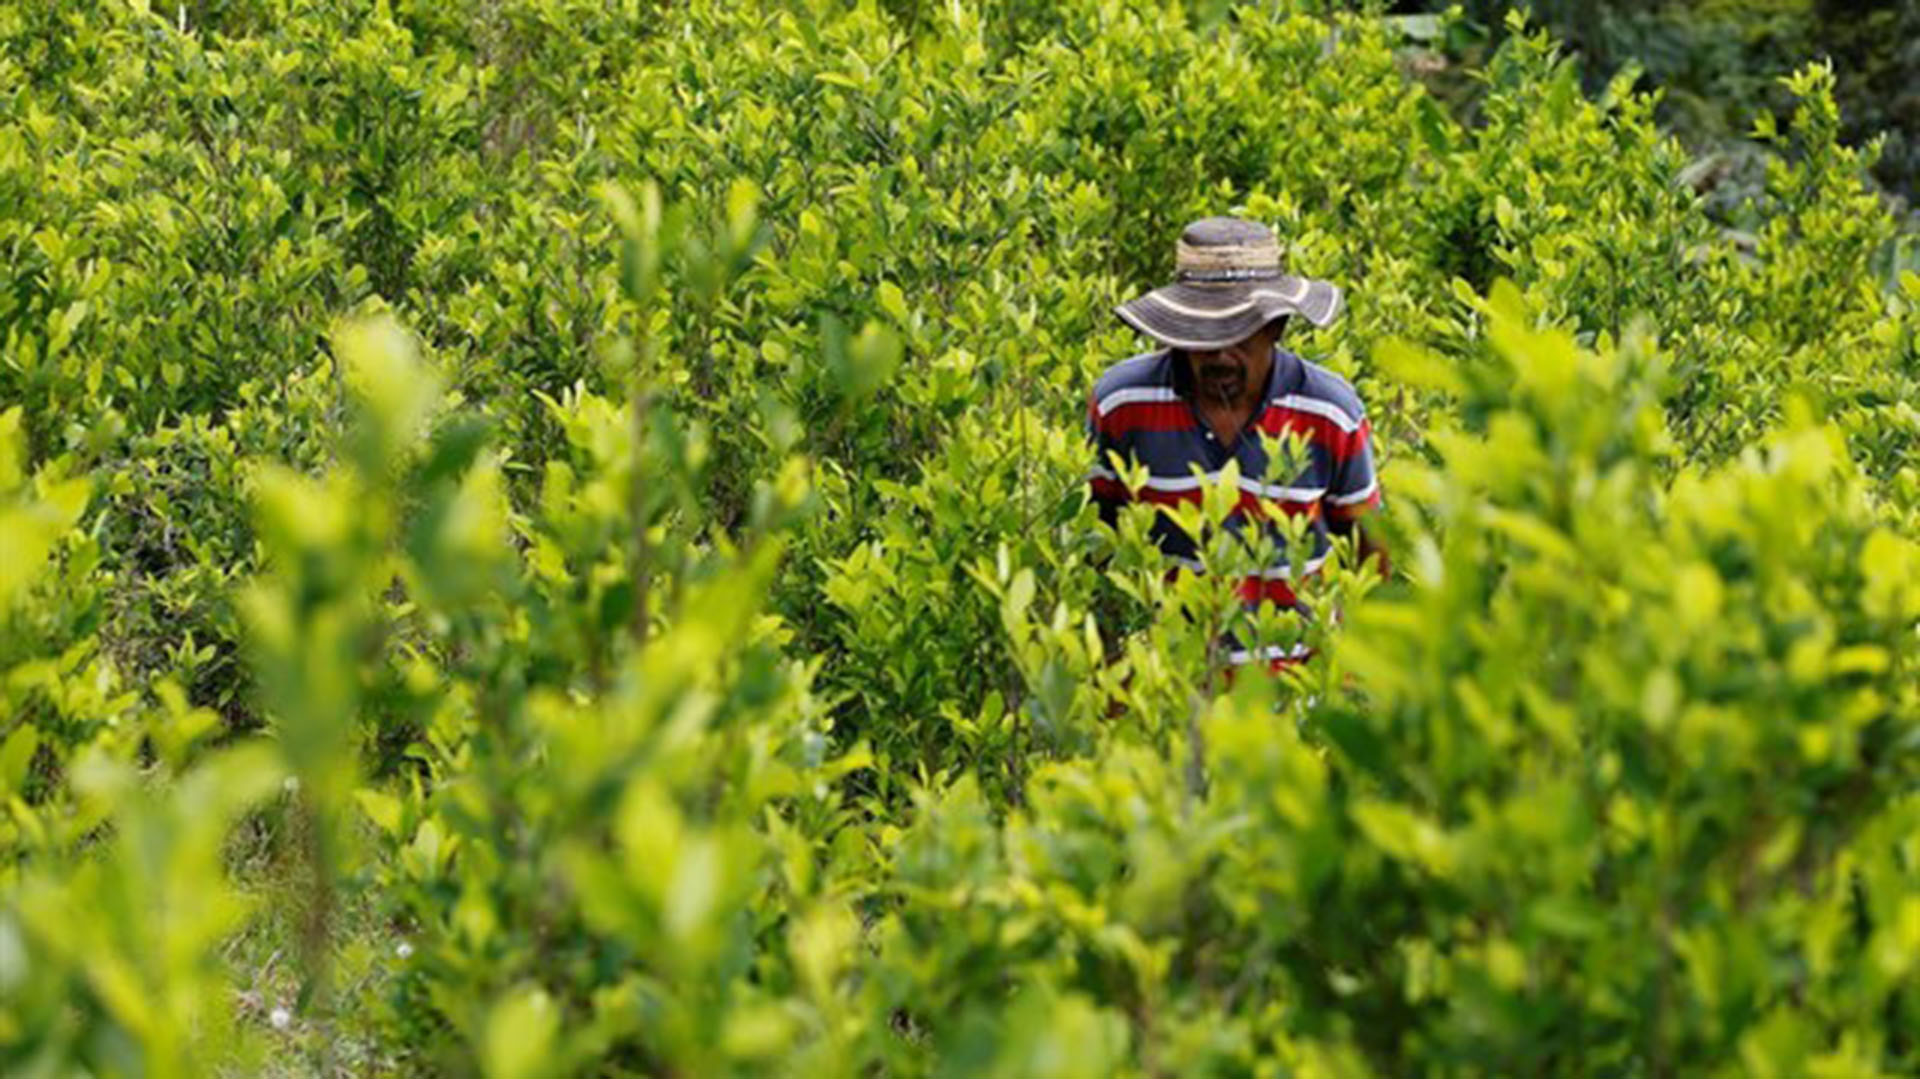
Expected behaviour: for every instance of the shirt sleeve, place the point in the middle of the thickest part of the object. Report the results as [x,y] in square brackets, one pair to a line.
[1355,488]
[1103,483]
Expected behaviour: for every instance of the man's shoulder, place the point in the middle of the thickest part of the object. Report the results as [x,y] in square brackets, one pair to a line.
[1148,370]
[1328,393]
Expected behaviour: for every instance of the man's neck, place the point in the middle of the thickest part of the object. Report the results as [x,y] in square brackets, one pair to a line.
[1226,417]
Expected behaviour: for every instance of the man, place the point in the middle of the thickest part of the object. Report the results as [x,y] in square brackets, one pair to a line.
[1219,384]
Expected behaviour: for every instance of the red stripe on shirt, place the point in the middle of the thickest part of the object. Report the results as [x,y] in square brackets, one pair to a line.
[1341,444]
[1137,416]
[1277,592]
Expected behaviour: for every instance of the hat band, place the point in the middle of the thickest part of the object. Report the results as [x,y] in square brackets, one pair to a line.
[1239,273]
[1258,255]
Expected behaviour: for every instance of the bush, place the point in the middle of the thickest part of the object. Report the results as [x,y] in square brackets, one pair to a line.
[587,500]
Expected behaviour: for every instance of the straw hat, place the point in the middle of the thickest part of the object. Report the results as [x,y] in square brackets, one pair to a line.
[1227,284]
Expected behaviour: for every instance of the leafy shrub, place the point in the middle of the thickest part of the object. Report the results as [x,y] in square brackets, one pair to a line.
[1719,65]
[595,492]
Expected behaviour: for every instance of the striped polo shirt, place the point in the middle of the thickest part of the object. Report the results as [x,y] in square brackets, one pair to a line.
[1142,411]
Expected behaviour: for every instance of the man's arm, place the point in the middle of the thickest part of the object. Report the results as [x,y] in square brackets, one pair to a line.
[1369,546]
[1108,494]
[1354,492]
[1103,483]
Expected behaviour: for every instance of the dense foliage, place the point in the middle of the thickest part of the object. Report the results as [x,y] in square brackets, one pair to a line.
[1719,63]
[546,537]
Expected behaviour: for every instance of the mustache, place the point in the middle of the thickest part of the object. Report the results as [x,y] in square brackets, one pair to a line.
[1222,382]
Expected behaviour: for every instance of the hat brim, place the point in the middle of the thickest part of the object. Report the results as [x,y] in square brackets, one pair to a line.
[1217,315]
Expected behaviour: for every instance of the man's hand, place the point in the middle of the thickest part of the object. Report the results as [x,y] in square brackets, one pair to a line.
[1368,546]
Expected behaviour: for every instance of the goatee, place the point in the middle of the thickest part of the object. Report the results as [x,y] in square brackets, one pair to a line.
[1223,388]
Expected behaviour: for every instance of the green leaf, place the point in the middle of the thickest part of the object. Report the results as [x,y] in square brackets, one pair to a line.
[16,754]
[893,302]
[1416,366]
[1013,608]
[384,370]
[383,809]
[521,1032]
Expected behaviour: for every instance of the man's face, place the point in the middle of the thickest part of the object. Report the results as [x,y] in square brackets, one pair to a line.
[1226,375]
